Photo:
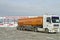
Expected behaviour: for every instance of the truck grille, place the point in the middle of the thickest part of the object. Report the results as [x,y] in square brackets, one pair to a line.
[56,24]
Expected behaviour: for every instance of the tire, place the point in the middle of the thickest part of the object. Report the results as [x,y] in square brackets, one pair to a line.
[46,30]
[18,28]
[35,29]
[21,28]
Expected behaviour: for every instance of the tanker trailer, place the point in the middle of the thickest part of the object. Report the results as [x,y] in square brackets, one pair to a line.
[46,23]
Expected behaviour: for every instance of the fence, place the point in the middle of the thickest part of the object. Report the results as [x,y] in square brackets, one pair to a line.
[10,21]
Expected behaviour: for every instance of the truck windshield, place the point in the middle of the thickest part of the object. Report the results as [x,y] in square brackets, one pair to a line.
[55,19]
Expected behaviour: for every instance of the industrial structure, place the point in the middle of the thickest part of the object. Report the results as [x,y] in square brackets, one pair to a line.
[10,21]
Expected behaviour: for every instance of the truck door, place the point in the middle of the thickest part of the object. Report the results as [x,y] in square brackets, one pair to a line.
[48,22]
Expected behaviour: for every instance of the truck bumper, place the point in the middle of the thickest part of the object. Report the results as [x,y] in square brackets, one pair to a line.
[54,30]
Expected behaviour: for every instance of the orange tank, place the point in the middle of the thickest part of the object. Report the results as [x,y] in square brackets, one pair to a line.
[37,21]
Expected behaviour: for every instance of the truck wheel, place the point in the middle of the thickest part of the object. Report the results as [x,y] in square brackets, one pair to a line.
[18,28]
[46,30]
[35,29]
[21,28]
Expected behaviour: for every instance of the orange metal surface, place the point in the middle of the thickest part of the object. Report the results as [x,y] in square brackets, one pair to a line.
[37,21]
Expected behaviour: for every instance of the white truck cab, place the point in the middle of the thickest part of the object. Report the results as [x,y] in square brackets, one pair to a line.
[51,23]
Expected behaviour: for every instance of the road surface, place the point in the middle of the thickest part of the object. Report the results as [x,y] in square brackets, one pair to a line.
[13,34]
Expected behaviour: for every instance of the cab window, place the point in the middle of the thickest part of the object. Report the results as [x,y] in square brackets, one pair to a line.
[48,19]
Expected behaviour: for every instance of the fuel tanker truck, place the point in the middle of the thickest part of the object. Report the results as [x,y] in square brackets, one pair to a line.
[45,23]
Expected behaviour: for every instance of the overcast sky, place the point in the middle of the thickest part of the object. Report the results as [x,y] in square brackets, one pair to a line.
[29,7]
